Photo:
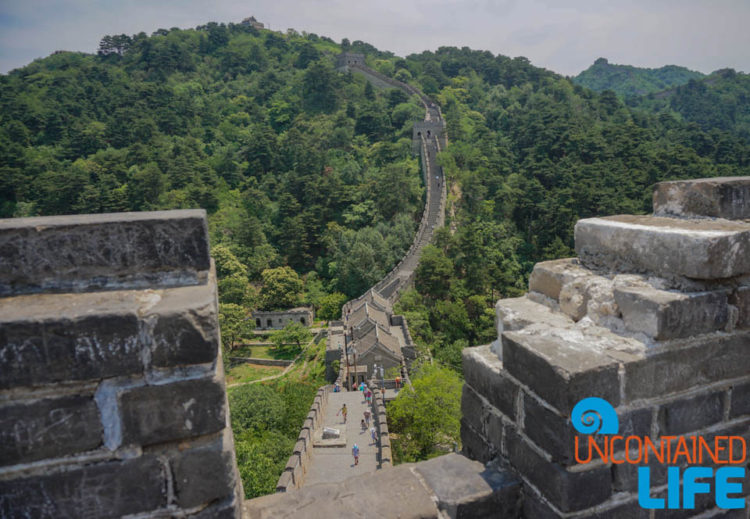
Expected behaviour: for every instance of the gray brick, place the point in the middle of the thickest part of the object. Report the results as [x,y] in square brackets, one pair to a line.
[740,403]
[483,371]
[227,509]
[700,249]
[548,277]
[476,447]
[155,414]
[186,329]
[118,250]
[720,197]
[694,363]
[84,347]
[99,491]
[556,435]
[560,372]
[741,299]
[202,475]
[691,414]
[669,315]
[567,491]
[48,428]
[466,489]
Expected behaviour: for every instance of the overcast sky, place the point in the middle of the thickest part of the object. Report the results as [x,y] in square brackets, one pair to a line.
[562,35]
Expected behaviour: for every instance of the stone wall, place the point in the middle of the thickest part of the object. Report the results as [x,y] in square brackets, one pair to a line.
[653,318]
[276,320]
[112,397]
[294,472]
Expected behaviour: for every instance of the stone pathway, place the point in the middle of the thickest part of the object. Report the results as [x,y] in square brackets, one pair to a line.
[334,464]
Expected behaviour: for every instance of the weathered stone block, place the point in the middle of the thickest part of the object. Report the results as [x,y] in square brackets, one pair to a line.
[38,350]
[89,252]
[534,507]
[466,489]
[48,428]
[104,490]
[396,492]
[548,277]
[559,371]
[155,414]
[567,491]
[475,446]
[226,509]
[185,330]
[473,409]
[202,475]
[720,197]
[692,363]
[701,249]
[484,372]
[741,299]
[691,414]
[740,402]
[519,312]
[555,434]
[669,315]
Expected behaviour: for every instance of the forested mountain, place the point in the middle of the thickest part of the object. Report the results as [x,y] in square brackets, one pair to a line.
[720,101]
[628,81]
[296,164]
[301,166]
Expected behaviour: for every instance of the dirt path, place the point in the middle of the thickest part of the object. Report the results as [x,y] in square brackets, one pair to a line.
[286,370]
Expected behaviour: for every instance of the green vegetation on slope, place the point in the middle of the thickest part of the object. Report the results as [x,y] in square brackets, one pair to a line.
[628,81]
[720,101]
[530,154]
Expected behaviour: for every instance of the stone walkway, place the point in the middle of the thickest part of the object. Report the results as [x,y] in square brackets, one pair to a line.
[335,464]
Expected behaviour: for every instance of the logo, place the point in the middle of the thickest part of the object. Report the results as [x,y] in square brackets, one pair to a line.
[595,416]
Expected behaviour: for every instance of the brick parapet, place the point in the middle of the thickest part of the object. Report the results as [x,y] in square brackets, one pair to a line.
[111,385]
[294,472]
[671,354]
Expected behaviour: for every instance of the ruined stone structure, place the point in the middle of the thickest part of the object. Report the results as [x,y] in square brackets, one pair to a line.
[252,22]
[653,317]
[276,320]
[112,397]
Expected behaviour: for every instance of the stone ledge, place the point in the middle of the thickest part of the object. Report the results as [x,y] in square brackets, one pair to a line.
[701,249]
[103,251]
[662,315]
[48,338]
[720,197]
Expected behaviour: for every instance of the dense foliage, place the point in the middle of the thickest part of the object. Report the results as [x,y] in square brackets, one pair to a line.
[720,101]
[628,81]
[424,419]
[296,164]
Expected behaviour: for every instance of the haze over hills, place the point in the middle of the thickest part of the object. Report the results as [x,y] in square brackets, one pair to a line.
[628,81]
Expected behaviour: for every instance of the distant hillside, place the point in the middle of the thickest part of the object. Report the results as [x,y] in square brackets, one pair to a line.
[720,101]
[627,81]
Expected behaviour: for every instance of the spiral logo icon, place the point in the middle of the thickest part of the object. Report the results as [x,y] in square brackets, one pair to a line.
[595,415]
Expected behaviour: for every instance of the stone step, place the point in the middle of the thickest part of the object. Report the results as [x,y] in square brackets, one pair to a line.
[49,338]
[721,197]
[662,314]
[700,249]
[104,251]
[548,277]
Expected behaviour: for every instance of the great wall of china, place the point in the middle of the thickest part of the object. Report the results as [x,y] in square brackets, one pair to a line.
[113,402]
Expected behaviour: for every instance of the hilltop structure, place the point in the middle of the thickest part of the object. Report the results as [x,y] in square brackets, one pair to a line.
[252,22]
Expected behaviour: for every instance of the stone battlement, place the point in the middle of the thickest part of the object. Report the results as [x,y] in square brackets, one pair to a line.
[654,318]
[112,398]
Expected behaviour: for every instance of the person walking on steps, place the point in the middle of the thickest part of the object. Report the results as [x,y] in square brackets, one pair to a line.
[355,453]
[367,417]
[343,411]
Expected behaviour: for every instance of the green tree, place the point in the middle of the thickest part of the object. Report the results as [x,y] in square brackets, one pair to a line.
[426,416]
[282,287]
[330,306]
[235,323]
[289,340]
[434,273]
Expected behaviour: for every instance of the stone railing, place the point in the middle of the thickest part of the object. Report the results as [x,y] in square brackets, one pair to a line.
[294,472]
[380,421]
